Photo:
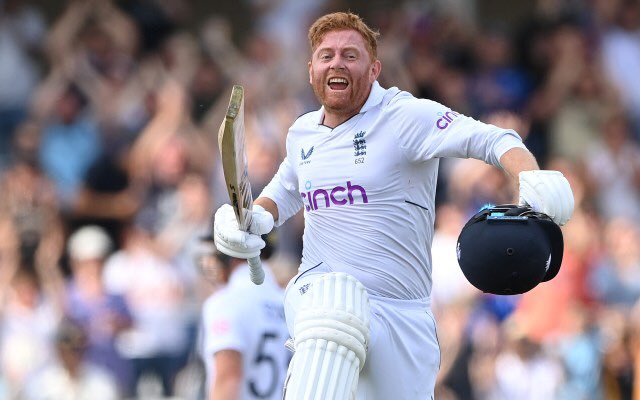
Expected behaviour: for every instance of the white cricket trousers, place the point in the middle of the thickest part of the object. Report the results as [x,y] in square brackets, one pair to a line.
[403,358]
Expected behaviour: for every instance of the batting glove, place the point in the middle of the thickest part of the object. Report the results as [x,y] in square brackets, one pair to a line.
[233,242]
[547,192]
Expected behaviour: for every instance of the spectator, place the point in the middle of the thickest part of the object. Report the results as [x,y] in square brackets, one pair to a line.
[497,84]
[580,356]
[29,305]
[108,197]
[22,28]
[617,354]
[614,168]
[621,58]
[524,371]
[102,315]
[157,339]
[616,279]
[28,195]
[70,377]
[70,143]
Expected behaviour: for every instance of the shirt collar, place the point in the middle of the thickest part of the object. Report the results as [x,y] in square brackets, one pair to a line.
[375,97]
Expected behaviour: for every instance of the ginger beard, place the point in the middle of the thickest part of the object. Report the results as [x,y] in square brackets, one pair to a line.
[341,72]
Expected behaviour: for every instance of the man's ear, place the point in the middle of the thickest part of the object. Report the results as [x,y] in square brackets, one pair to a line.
[310,75]
[374,72]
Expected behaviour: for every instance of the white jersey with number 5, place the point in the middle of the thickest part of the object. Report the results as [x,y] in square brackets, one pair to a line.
[248,319]
[368,186]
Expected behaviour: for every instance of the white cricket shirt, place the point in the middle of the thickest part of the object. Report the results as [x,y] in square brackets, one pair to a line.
[249,319]
[368,186]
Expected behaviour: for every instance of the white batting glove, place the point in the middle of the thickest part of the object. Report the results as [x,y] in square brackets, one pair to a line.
[547,192]
[233,242]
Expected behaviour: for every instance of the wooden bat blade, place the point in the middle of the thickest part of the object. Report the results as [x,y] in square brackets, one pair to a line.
[234,165]
[231,143]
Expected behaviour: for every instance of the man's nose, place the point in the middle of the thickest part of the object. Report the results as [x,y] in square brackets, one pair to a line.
[337,63]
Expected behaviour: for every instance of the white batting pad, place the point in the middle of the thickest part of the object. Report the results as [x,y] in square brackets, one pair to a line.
[331,334]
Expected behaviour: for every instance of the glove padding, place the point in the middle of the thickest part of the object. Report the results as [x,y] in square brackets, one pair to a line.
[547,192]
[233,242]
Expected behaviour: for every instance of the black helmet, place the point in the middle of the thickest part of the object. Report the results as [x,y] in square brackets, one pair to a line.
[509,249]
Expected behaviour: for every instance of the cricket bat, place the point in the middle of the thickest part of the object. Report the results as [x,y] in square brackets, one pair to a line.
[234,165]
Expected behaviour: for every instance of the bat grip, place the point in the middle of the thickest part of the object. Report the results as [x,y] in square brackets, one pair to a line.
[255,270]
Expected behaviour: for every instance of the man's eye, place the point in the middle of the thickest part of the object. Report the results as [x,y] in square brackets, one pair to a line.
[325,57]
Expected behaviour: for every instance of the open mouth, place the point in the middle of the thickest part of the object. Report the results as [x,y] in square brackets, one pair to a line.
[338,83]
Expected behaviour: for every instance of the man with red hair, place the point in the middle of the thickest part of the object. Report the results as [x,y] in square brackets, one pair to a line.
[364,168]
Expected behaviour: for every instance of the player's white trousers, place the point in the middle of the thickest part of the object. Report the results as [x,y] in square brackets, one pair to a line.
[403,357]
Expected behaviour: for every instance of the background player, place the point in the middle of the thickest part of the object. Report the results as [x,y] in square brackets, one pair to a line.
[244,330]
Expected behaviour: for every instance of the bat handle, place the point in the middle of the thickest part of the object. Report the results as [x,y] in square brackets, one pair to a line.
[256,271]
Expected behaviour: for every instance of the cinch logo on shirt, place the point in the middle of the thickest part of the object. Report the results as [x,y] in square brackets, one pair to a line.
[446,119]
[334,196]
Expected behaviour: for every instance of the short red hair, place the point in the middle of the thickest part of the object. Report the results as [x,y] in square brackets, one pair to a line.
[343,21]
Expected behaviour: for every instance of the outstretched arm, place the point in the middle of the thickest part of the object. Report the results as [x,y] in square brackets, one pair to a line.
[517,160]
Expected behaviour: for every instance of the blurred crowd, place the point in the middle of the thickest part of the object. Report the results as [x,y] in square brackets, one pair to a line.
[109,175]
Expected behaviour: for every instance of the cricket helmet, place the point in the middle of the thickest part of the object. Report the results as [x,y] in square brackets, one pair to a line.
[509,249]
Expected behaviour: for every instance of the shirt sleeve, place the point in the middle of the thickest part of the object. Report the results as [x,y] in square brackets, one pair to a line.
[429,130]
[223,329]
[283,190]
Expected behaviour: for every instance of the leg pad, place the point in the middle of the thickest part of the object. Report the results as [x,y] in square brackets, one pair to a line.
[331,334]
